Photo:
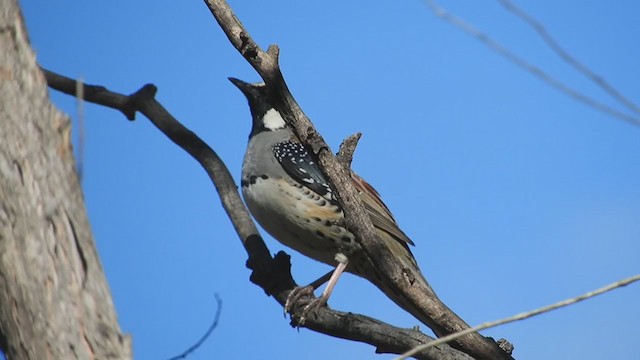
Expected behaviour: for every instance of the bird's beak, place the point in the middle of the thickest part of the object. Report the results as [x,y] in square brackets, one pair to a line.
[246,88]
[253,92]
[239,83]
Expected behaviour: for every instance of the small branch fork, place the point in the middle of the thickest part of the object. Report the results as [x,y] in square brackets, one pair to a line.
[347,149]
[267,66]
[271,273]
[492,44]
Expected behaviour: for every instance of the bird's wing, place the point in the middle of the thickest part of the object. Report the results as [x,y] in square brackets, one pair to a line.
[379,213]
[298,164]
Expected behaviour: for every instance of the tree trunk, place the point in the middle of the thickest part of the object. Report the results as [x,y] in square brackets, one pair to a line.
[54,299]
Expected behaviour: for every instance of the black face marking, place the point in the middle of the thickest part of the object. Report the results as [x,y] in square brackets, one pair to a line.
[327,223]
[260,102]
[319,233]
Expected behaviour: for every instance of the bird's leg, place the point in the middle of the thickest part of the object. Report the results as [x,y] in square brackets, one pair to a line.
[333,280]
[321,280]
[300,291]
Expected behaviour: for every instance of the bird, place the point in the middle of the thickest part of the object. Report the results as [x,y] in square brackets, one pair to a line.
[289,196]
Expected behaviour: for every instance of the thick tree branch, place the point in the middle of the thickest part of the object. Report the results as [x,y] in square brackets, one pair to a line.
[444,321]
[271,273]
[55,301]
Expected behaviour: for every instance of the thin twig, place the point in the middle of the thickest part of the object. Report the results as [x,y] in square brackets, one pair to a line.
[564,55]
[347,148]
[523,316]
[204,337]
[507,54]
[81,129]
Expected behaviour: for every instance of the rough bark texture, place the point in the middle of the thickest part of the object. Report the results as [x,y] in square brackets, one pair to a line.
[54,299]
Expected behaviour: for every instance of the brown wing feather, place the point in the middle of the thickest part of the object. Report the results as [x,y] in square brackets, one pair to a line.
[379,213]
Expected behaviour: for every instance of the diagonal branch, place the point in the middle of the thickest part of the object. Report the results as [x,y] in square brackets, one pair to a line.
[444,321]
[566,57]
[528,314]
[445,15]
[272,274]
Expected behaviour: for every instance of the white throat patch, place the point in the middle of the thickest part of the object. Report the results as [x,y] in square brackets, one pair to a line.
[273,120]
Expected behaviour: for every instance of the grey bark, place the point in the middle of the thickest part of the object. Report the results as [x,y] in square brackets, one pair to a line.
[54,299]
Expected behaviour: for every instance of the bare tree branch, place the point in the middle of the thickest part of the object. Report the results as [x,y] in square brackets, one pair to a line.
[507,54]
[207,333]
[55,301]
[564,55]
[526,315]
[443,320]
[271,273]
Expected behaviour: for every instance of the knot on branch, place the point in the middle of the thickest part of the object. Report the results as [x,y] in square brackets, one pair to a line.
[506,346]
[134,101]
[272,274]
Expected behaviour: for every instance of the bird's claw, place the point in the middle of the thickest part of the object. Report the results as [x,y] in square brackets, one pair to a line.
[298,295]
[295,295]
[314,304]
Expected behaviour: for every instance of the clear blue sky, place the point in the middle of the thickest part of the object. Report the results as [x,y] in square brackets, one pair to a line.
[516,195]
